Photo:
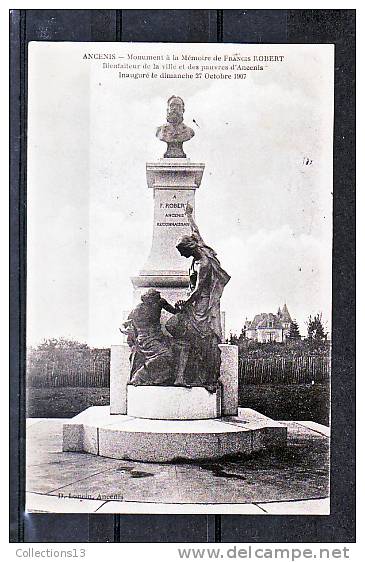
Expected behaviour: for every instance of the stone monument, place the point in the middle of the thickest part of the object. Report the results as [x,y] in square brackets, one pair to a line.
[174,383]
[174,180]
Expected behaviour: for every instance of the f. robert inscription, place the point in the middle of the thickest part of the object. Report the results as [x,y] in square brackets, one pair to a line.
[165,205]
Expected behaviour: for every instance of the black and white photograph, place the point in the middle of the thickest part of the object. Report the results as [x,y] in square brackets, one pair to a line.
[179,278]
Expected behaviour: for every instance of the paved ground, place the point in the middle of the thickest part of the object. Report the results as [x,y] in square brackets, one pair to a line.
[296,482]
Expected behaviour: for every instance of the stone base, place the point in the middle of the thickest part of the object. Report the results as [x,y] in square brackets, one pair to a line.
[120,376]
[173,403]
[98,432]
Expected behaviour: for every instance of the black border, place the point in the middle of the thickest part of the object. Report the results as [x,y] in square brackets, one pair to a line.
[233,26]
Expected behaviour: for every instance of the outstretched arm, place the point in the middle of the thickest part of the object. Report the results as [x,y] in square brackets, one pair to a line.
[127,325]
[193,225]
[167,306]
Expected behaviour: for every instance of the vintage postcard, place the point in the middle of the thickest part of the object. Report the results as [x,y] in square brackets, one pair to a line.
[179,255]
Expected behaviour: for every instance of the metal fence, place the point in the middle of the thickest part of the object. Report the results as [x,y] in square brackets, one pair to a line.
[305,369]
[90,368]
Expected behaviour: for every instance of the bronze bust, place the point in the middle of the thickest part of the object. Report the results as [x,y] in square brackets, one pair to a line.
[175,132]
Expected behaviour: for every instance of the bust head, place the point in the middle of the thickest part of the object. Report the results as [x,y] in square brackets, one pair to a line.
[175,110]
[175,132]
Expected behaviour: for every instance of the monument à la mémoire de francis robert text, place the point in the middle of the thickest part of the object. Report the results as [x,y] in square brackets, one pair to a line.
[174,383]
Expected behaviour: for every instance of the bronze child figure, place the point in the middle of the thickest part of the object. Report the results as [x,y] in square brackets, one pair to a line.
[152,356]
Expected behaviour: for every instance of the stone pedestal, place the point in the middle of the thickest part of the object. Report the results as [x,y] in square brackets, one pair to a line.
[173,403]
[155,403]
[229,379]
[119,378]
[174,181]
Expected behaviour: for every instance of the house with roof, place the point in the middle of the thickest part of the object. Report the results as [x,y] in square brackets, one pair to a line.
[267,327]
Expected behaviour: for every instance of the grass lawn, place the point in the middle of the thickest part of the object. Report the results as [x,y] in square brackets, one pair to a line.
[280,402]
[288,402]
[63,402]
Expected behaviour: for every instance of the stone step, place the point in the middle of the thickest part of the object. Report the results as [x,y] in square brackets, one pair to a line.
[98,432]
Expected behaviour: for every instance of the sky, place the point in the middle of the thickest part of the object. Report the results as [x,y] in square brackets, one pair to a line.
[264,204]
